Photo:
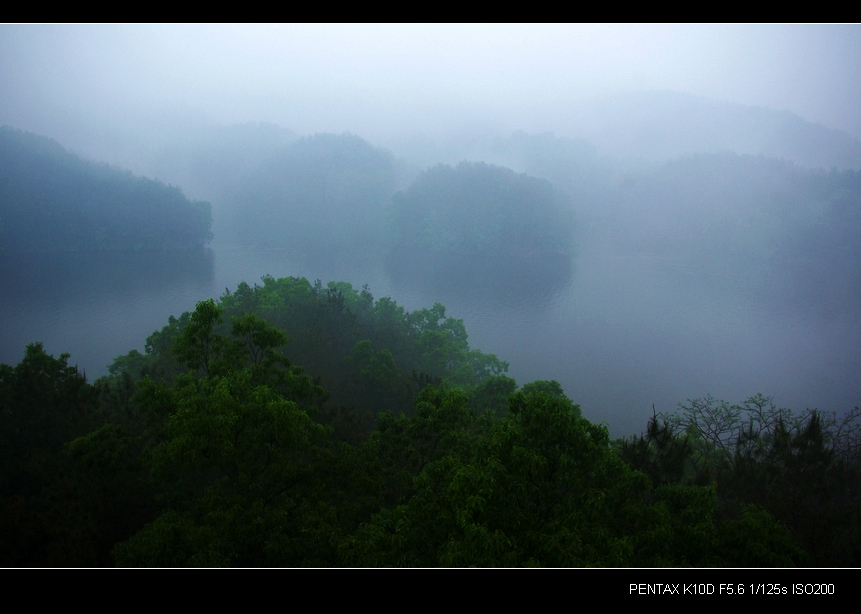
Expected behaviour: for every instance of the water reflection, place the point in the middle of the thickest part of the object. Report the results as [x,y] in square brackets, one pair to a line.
[625,330]
[95,305]
[505,281]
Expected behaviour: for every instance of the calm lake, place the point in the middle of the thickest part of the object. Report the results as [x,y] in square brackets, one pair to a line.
[630,331]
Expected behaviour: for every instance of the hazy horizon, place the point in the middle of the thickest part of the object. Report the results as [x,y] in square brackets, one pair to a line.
[102,88]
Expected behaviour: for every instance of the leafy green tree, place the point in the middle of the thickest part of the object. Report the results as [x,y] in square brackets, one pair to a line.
[113,497]
[549,387]
[236,465]
[44,403]
[491,395]
[371,356]
[540,486]
[662,454]
[200,348]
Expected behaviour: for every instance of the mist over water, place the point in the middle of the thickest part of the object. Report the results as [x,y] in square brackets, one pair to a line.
[705,259]
[629,331]
[94,306]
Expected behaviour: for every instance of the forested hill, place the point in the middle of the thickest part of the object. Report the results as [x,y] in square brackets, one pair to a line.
[322,197]
[396,445]
[481,227]
[54,201]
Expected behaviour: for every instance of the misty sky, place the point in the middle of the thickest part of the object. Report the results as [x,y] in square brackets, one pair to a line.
[380,80]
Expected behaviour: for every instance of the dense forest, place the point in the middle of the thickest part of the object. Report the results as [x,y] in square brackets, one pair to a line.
[395,444]
[54,201]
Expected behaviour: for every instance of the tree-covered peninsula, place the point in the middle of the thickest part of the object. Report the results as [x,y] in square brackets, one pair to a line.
[54,201]
[394,444]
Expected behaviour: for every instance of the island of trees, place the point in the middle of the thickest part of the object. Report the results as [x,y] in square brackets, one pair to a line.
[481,227]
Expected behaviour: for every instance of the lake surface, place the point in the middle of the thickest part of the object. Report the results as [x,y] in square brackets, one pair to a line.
[629,332]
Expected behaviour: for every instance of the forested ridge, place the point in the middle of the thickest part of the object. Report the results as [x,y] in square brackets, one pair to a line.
[54,201]
[296,424]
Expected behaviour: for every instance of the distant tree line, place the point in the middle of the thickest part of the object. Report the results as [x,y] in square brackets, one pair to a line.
[335,197]
[764,223]
[53,201]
